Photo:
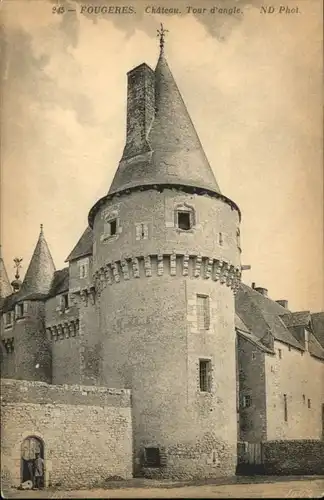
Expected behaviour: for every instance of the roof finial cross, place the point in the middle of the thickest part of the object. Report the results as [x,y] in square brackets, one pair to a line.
[161,33]
[17,266]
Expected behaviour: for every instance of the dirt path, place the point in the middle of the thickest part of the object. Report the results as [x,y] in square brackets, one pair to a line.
[308,488]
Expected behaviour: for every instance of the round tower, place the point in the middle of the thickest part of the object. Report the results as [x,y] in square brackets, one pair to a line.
[166,267]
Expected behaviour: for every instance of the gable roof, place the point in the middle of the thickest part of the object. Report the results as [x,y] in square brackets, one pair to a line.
[317,320]
[60,283]
[262,316]
[83,246]
[299,318]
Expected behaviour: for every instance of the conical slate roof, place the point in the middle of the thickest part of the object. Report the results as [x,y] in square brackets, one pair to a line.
[177,156]
[41,269]
[5,287]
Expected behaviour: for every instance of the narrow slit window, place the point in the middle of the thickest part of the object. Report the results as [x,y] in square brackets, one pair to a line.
[65,301]
[113,227]
[309,404]
[8,319]
[203,315]
[285,408]
[20,310]
[205,375]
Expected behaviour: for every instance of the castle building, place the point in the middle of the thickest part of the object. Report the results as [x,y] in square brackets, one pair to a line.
[151,304]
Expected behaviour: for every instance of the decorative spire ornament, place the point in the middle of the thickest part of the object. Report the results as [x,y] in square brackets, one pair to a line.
[161,33]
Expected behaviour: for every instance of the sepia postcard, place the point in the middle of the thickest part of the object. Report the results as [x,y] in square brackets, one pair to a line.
[162,249]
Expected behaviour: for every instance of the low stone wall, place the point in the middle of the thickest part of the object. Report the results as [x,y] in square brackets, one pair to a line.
[293,457]
[86,432]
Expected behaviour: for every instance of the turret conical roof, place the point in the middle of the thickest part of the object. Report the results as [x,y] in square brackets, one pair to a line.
[41,269]
[176,155]
[5,287]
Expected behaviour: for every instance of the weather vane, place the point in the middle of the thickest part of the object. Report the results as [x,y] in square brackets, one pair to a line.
[161,33]
[17,266]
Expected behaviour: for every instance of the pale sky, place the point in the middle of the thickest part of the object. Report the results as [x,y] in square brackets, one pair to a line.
[253,87]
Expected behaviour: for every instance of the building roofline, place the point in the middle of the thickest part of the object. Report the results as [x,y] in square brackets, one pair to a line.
[160,187]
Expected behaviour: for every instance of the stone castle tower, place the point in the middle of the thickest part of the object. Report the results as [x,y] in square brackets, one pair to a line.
[166,265]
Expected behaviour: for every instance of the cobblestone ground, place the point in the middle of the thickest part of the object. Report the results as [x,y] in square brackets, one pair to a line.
[273,487]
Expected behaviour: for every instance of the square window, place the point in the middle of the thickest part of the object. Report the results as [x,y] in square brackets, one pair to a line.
[152,457]
[203,316]
[184,220]
[247,401]
[205,375]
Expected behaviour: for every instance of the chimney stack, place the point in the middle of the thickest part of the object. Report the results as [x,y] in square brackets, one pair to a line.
[283,303]
[140,110]
[261,290]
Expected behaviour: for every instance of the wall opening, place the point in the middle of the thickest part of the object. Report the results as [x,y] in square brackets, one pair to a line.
[32,449]
[152,457]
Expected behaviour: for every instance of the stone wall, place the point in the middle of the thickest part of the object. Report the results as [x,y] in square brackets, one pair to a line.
[65,347]
[86,432]
[300,377]
[253,418]
[293,457]
[30,358]
[157,211]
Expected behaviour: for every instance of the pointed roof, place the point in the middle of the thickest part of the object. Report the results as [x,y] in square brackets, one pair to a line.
[41,269]
[177,156]
[5,287]
[83,246]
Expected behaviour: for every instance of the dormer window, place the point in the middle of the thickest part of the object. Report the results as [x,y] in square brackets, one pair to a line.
[184,220]
[184,217]
[111,226]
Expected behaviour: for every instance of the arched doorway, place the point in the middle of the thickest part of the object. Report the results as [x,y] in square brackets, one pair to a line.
[29,448]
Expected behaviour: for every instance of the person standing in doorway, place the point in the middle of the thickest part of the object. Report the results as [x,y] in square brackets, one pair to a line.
[38,471]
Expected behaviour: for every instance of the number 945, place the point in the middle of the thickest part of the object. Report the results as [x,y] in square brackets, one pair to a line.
[59,9]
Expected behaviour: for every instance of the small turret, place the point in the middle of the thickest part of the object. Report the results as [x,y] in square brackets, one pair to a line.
[41,269]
